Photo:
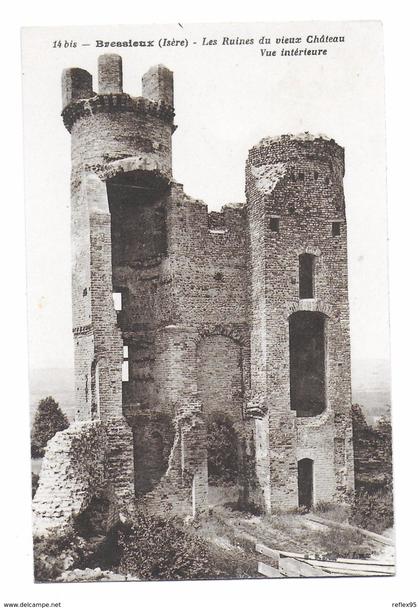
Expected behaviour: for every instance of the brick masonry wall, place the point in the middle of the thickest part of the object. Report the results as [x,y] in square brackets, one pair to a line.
[220,382]
[299,182]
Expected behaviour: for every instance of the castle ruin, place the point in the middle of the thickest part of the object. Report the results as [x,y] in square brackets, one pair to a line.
[183,317]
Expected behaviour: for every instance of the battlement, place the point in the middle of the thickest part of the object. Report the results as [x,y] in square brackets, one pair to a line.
[110,76]
[115,103]
[76,84]
[79,98]
[290,148]
[158,85]
[228,218]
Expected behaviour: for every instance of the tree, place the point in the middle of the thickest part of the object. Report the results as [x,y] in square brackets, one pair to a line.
[49,419]
[358,419]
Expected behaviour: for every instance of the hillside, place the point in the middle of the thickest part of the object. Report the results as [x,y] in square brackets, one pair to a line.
[370,381]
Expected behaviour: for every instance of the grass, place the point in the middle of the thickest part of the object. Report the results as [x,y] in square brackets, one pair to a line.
[333,511]
[293,532]
[345,543]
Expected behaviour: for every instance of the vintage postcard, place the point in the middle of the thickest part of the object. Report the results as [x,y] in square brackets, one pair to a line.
[208,301]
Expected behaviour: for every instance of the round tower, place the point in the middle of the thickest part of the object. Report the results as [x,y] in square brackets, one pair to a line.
[300,319]
[121,171]
[111,125]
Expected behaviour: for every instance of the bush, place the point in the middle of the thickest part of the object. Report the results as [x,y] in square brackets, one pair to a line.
[344,543]
[222,446]
[332,511]
[153,548]
[323,506]
[56,552]
[373,510]
[49,419]
[358,419]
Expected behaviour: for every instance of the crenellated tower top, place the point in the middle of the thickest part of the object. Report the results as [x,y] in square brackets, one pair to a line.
[110,126]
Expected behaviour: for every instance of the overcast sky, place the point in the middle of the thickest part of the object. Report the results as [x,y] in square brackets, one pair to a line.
[226,99]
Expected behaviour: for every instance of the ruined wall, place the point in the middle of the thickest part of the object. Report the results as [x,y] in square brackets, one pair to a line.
[193,293]
[73,471]
[153,442]
[88,460]
[220,382]
[220,385]
[183,489]
[207,264]
[200,291]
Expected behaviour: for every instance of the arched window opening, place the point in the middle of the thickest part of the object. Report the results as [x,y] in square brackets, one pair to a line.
[307,363]
[306,275]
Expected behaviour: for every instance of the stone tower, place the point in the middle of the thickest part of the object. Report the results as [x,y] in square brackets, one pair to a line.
[187,321]
[119,145]
[300,342]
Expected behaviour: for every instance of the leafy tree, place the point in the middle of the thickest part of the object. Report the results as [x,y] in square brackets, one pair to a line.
[358,418]
[384,433]
[49,419]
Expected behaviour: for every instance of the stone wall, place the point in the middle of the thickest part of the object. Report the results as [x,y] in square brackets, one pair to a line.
[73,471]
[80,465]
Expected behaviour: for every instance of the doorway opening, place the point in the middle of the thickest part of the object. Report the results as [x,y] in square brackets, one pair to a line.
[305,482]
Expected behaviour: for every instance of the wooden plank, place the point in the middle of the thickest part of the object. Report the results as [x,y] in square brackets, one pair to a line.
[311,558]
[296,568]
[292,555]
[299,564]
[350,572]
[269,571]
[277,553]
[273,553]
[341,560]
[366,567]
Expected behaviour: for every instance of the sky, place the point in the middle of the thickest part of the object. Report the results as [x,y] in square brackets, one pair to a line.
[227,97]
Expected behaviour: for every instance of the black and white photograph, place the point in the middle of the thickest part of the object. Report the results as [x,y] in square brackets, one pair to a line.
[209,303]
[208,315]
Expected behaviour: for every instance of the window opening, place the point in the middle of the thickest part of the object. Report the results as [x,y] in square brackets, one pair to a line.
[336,228]
[306,276]
[125,365]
